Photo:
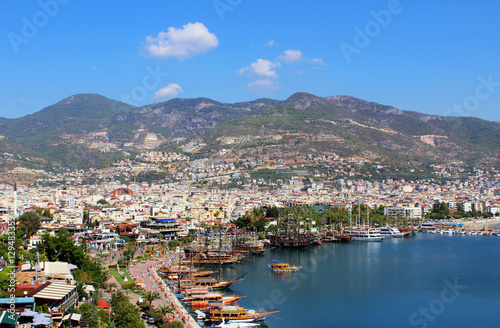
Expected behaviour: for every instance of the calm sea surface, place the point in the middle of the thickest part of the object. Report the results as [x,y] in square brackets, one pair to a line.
[423,281]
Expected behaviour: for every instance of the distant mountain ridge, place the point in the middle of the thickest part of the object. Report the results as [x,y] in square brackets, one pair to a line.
[85,130]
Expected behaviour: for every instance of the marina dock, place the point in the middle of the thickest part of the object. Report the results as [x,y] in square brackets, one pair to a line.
[181,311]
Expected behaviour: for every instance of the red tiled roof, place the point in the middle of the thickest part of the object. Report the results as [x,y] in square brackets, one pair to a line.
[22,288]
[102,303]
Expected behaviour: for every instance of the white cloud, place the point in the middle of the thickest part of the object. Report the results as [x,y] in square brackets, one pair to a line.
[263,84]
[261,68]
[291,56]
[182,43]
[168,92]
[271,43]
[318,61]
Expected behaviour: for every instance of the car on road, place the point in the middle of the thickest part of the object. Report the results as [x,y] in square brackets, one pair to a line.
[145,316]
[151,321]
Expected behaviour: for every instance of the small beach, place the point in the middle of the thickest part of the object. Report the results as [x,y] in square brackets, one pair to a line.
[486,224]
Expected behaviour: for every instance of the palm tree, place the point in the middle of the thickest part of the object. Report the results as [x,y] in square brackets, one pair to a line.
[111,285]
[105,277]
[164,248]
[164,310]
[150,297]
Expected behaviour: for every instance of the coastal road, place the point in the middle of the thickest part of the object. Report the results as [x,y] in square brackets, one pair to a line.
[140,273]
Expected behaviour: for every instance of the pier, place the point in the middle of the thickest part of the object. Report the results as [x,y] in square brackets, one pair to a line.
[181,311]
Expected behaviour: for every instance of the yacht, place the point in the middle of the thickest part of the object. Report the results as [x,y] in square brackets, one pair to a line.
[365,235]
[390,232]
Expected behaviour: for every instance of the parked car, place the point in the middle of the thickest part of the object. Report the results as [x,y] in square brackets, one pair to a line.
[151,320]
[145,316]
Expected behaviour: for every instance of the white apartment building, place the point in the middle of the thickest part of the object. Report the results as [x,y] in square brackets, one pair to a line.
[404,212]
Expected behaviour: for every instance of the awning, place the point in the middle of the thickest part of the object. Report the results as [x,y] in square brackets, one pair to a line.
[28,313]
[165,220]
[55,291]
[8,318]
[72,316]
[89,288]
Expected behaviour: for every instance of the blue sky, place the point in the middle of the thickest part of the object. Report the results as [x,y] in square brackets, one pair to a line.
[436,57]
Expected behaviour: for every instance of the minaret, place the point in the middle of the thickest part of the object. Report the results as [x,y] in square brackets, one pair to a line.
[15,200]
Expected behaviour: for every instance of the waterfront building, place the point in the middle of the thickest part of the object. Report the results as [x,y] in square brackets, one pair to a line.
[167,227]
[404,212]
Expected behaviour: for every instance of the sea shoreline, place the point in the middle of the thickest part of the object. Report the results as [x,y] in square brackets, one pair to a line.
[486,224]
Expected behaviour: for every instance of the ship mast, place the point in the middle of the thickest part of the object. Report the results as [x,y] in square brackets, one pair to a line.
[220,259]
[359,214]
[350,216]
[368,215]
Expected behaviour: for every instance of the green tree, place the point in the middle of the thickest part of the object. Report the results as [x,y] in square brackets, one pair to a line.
[102,201]
[48,213]
[164,310]
[124,314]
[86,216]
[62,248]
[5,278]
[172,244]
[90,314]
[149,298]
[439,211]
[30,223]
[174,324]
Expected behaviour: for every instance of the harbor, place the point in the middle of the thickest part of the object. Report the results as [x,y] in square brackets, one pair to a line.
[364,284]
[354,280]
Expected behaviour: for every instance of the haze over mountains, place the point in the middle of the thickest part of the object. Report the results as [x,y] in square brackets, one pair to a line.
[88,130]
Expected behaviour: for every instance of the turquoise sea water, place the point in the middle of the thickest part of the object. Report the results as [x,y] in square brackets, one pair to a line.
[423,281]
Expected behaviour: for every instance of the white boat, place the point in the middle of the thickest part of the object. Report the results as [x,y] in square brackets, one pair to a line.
[365,235]
[390,232]
[429,226]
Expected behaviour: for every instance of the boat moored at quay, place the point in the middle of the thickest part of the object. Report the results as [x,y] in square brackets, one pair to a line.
[218,313]
[390,232]
[365,234]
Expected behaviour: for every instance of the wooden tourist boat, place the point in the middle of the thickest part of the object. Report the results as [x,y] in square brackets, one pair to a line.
[203,300]
[278,266]
[225,313]
[212,283]
[289,242]
[236,325]
[201,297]
[176,272]
[316,241]
[342,237]
[249,248]
[212,258]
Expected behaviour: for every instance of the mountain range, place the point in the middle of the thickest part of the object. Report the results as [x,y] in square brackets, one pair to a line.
[89,130]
